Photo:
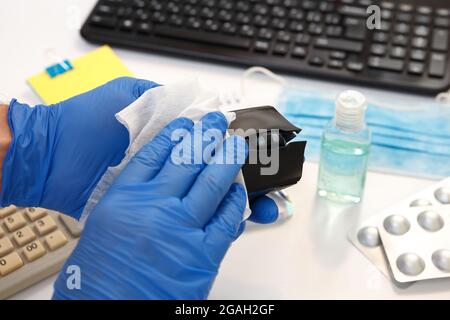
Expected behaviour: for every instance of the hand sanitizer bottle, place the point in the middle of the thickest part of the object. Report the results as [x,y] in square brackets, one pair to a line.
[344,150]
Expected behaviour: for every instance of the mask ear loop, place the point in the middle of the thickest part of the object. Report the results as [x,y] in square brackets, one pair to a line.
[257,69]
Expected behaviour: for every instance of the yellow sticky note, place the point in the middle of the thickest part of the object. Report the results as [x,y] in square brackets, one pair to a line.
[89,71]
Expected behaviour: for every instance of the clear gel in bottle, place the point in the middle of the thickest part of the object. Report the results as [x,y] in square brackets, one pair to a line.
[344,150]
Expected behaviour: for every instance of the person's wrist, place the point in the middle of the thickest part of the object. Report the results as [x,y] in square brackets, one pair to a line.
[5,137]
[26,162]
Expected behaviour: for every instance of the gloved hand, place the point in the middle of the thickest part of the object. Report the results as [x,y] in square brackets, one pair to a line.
[60,152]
[162,229]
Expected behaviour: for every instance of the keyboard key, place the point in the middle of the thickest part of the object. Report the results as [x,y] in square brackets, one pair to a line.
[295,26]
[262,46]
[10,263]
[299,52]
[55,240]
[5,246]
[303,39]
[333,18]
[4,212]
[35,213]
[266,34]
[315,29]
[339,55]
[279,24]
[105,10]
[335,64]
[296,14]
[355,66]
[437,65]
[418,55]
[284,36]
[416,68]
[229,28]
[127,25]
[71,224]
[334,31]
[337,44]
[355,28]
[353,11]
[15,221]
[280,49]
[378,49]
[247,31]
[23,236]
[440,40]
[386,64]
[144,28]
[316,61]
[34,250]
[45,225]
[204,37]
[103,22]
[398,52]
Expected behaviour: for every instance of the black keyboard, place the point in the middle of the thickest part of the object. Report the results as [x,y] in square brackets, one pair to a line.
[323,39]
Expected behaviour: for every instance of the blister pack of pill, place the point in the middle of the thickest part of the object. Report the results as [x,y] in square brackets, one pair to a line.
[410,241]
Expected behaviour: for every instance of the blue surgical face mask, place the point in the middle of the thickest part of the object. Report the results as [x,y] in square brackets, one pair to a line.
[406,139]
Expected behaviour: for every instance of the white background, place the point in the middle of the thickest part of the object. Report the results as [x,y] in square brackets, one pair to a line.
[307,257]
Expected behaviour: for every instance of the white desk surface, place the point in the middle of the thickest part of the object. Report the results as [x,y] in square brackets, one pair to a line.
[307,257]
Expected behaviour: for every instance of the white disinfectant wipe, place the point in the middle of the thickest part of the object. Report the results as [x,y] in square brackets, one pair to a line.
[145,117]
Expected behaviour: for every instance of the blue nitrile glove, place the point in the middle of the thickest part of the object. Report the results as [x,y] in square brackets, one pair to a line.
[59,152]
[162,229]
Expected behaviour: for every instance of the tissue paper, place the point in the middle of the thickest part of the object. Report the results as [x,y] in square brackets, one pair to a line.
[145,117]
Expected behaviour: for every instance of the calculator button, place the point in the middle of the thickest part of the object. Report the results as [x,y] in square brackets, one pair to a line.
[5,246]
[440,40]
[418,55]
[7,211]
[35,213]
[23,236]
[71,224]
[416,68]
[15,221]
[55,240]
[424,10]
[378,49]
[34,250]
[437,65]
[10,263]
[45,225]
[398,52]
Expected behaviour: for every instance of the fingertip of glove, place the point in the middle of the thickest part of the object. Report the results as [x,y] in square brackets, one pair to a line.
[142,86]
[264,211]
